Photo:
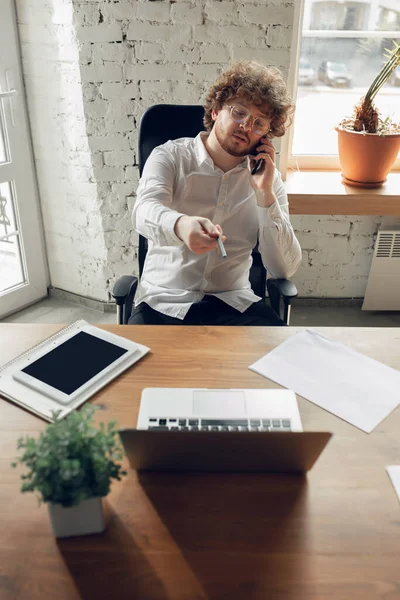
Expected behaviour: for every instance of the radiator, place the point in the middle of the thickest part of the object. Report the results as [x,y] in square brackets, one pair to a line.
[383,287]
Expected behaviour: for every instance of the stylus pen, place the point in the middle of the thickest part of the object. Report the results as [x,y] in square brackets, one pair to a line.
[222,247]
[258,164]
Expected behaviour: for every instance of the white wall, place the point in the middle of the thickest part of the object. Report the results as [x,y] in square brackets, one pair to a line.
[68,191]
[91,68]
[337,255]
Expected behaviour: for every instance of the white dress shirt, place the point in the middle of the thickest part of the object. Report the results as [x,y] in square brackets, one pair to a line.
[180,178]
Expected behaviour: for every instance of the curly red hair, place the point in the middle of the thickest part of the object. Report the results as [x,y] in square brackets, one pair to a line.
[256,83]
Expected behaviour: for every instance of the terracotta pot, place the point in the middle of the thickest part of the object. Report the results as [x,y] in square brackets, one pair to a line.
[366,158]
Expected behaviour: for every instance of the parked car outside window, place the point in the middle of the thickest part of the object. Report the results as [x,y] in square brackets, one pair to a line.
[334,74]
[306,72]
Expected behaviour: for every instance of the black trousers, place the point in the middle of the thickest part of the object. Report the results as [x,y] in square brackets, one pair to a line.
[209,311]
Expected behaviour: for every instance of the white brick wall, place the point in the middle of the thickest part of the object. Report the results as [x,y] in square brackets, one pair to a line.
[337,255]
[68,191]
[91,69]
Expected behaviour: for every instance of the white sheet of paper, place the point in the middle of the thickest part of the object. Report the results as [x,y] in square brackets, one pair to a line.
[394,473]
[348,384]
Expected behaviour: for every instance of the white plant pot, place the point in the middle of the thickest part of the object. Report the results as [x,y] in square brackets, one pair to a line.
[83,519]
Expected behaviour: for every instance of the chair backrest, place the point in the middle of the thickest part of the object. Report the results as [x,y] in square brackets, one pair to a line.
[163,122]
[160,123]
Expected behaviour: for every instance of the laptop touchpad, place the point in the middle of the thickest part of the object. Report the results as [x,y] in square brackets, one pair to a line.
[219,403]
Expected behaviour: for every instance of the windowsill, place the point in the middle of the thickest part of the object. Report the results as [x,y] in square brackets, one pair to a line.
[322,193]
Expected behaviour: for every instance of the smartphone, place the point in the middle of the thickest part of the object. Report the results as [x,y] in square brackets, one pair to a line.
[258,162]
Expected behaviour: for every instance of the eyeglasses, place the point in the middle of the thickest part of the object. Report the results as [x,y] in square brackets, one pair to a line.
[241,115]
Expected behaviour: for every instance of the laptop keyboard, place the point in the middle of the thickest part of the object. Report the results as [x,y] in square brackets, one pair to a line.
[185,424]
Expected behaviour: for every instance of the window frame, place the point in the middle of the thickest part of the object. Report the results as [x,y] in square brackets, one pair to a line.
[314,162]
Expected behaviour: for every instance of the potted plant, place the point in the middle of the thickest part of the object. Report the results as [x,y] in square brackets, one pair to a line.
[71,465]
[368,144]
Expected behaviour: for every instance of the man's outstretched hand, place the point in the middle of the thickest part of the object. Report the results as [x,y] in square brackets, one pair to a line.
[198,233]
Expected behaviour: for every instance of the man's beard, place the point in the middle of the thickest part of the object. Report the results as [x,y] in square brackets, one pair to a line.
[228,146]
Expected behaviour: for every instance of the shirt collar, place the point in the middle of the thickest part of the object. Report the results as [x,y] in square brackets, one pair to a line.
[203,156]
[200,149]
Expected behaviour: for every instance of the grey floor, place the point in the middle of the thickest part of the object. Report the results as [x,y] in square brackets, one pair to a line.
[309,313]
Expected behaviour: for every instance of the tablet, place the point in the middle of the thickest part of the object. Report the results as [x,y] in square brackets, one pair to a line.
[70,367]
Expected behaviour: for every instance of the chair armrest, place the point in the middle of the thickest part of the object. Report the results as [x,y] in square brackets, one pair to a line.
[122,287]
[285,289]
[123,292]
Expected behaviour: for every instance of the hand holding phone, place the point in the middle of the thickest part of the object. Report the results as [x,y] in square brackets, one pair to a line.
[263,171]
[258,163]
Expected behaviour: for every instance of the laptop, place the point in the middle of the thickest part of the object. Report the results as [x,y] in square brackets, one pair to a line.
[222,430]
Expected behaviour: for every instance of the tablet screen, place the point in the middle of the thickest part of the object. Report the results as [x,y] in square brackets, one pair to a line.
[74,362]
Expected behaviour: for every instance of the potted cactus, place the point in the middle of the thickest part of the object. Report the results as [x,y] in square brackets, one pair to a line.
[71,466]
[368,143]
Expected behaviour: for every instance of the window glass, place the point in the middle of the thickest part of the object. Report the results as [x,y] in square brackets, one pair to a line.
[11,266]
[342,50]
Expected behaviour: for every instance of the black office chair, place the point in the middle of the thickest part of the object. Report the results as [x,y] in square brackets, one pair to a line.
[160,123]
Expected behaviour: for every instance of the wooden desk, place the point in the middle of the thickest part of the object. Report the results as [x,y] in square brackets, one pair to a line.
[334,534]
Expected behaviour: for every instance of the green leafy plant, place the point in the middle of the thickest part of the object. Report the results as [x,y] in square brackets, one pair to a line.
[366,116]
[71,460]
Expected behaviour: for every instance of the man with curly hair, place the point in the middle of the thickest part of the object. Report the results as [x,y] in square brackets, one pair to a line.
[194,191]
